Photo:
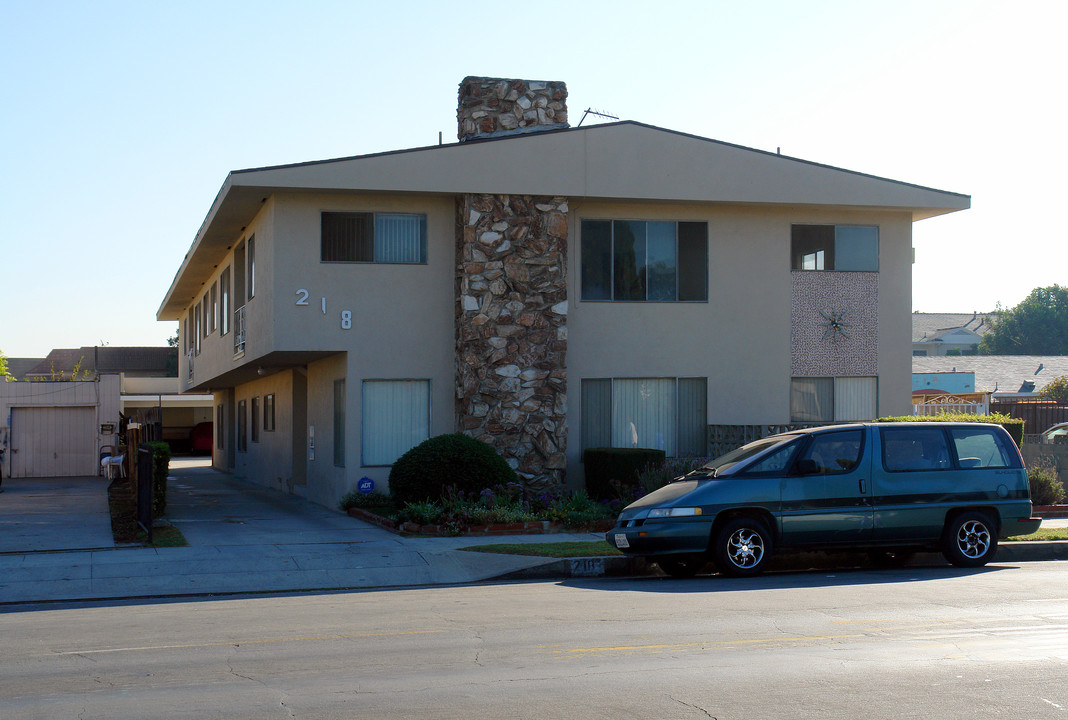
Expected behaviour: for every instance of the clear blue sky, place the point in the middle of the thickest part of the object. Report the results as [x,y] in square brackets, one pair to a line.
[120,120]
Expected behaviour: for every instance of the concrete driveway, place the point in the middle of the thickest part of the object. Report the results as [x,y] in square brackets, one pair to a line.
[40,514]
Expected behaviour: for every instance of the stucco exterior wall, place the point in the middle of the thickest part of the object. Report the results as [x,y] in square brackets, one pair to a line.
[403,326]
[216,355]
[740,338]
[269,461]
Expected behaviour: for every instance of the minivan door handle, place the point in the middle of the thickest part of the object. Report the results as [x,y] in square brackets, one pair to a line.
[862,490]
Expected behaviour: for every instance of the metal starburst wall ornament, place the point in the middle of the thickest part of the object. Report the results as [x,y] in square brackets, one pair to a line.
[834,324]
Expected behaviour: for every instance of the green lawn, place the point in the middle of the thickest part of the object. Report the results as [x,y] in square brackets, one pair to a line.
[599,548]
[1045,534]
[595,548]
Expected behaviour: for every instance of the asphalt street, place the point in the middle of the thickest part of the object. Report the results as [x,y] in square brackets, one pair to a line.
[913,643]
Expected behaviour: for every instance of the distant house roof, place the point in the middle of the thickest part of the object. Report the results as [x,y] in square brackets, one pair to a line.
[18,367]
[136,360]
[931,327]
[1000,374]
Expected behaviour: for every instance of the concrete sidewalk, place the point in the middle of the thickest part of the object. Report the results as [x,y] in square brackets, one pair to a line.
[55,544]
[242,538]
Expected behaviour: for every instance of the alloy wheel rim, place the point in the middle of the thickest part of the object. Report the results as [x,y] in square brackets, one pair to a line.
[745,548]
[973,539]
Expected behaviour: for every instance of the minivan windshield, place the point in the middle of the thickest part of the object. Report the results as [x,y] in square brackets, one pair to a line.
[725,462]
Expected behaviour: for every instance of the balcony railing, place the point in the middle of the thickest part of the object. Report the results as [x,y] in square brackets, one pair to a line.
[239,331]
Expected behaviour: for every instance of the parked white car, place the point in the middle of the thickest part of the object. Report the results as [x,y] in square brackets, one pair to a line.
[1056,435]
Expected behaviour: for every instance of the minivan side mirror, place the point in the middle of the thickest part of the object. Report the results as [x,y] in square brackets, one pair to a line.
[807,466]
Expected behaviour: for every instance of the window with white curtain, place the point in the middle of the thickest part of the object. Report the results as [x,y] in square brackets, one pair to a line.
[833,399]
[668,414]
[855,399]
[373,237]
[396,418]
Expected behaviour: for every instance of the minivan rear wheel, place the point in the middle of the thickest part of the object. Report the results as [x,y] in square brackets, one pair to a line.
[742,547]
[971,540]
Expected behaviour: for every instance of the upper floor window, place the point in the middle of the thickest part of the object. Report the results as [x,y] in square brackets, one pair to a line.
[251,256]
[198,327]
[644,261]
[834,247]
[373,237]
[224,309]
[213,310]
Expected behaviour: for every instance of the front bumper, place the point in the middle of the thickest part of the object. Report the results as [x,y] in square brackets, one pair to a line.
[668,537]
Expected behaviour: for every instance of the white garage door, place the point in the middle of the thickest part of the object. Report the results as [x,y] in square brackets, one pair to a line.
[53,442]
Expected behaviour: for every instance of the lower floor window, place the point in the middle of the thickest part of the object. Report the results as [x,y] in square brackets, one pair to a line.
[395,418]
[668,414]
[339,422]
[242,426]
[833,399]
[268,412]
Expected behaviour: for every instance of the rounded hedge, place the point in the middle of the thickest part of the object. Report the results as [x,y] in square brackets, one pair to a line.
[454,460]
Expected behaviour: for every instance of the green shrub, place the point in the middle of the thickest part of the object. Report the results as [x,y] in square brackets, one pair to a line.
[447,461]
[610,470]
[577,509]
[420,513]
[375,502]
[161,467]
[1015,426]
[1046,487]
[654,477]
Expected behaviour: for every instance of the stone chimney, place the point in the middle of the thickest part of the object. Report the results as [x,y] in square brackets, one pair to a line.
[511,293]
[498,107]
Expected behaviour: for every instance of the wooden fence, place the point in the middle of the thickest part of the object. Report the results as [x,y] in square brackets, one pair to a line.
[1038,415]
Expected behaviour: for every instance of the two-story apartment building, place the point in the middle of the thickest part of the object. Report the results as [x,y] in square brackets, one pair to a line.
[543,288]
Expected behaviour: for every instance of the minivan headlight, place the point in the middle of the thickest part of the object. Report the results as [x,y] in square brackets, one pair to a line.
[674,512]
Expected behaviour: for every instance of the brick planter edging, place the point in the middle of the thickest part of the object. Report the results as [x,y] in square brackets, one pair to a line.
[1050,511]
[537,527]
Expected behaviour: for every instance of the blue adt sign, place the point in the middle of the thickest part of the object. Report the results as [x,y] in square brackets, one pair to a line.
[366,485]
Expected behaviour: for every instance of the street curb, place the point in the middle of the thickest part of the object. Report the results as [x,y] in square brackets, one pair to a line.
[622,566]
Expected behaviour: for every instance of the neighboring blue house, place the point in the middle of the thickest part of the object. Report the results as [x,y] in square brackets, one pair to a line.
[943,383]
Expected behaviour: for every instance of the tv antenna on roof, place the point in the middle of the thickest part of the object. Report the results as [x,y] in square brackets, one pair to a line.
[598,113]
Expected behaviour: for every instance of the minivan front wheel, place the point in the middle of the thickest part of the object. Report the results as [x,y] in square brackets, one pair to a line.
[971,540]
[743,547]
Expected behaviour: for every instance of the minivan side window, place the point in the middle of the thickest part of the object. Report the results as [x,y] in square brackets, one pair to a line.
[979,447]
[914,449]
[835,452]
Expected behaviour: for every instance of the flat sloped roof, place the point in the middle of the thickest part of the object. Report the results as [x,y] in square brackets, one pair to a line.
[627,161]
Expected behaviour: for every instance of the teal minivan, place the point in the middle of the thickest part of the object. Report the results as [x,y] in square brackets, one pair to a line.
[889,488]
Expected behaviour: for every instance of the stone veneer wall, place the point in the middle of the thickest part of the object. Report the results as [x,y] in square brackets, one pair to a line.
[511,330]
[490,107]
[856,294]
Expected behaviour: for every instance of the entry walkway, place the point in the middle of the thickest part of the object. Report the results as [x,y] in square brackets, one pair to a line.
[242,538]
